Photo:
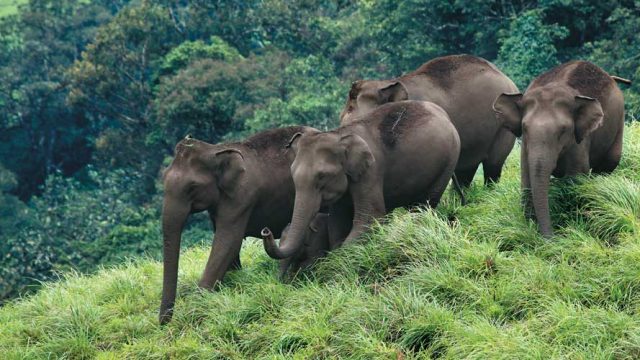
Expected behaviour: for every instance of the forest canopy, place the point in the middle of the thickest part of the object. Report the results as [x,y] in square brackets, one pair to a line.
[95,94]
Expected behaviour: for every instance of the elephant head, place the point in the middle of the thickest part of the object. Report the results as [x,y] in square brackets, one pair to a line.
[366,95]
[324,166]
[198,178]
[551,120]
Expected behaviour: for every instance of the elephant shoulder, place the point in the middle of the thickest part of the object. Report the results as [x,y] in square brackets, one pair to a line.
[396,119]
[589,80]
[442,70]
[586,78]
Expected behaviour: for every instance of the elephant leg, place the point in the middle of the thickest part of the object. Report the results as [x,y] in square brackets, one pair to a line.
[498,153]
[465,177]
[492,173]
[284,268]
[438,187]
[236,264]
[340,221]
[612,158]
[224,252]
[368,205]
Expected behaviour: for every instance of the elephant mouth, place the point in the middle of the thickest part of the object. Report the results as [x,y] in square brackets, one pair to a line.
[330,198]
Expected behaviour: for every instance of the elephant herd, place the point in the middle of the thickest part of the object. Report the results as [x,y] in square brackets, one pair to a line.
[399,144]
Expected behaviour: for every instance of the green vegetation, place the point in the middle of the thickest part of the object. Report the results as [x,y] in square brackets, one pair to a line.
[95,94]
[10,7]
[460,282]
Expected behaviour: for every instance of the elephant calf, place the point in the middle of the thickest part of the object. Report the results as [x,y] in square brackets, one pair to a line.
[402,154]
[244,186]
[571,120]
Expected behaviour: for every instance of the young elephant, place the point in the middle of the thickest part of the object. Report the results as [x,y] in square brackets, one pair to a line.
[571,120]
[402,154]
[465,87]
[242,185]
[315,246]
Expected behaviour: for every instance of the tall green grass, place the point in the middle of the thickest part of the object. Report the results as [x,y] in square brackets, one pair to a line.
[474,282]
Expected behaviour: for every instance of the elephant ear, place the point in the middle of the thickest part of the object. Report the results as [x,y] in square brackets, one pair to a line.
[508,110]
[392,93]
[358,157]
[588,116]
[229,169]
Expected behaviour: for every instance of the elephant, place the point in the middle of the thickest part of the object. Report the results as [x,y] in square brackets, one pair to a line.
[242,185]
[401,154]
[315,246]
[465,87]
[571,120]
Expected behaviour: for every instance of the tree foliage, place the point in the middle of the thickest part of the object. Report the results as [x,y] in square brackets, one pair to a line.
[528,47]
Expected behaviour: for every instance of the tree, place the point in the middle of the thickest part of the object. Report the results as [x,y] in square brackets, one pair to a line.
[39,133]
[527,49]
[201,100]
[312,95]
[114,80]
[618,53]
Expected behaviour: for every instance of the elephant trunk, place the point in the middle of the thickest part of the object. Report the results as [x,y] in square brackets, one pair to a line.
[540,168]
[173,221]
[304,211]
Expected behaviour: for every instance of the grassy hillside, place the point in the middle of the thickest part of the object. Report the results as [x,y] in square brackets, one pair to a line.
[462,282]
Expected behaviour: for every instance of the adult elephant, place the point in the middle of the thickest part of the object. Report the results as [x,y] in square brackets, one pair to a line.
[243,186]
[465,87]
[571,119]
[402,154]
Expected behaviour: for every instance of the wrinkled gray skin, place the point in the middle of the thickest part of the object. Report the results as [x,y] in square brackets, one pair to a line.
[244,186]
[571,120]
[315,246]
[401,154]
[465,87]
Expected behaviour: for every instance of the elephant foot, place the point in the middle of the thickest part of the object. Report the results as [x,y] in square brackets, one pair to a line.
[165,315]
[208,285]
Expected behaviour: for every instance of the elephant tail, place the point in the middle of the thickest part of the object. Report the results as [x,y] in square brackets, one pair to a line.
[621,80]
[458,188]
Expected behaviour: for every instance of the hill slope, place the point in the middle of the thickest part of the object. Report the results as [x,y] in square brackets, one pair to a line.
[462,282]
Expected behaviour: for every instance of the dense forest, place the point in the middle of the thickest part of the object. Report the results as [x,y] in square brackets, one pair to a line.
[95,94]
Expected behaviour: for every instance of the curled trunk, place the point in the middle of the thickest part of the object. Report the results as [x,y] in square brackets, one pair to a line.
[304,211]
[269,242]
